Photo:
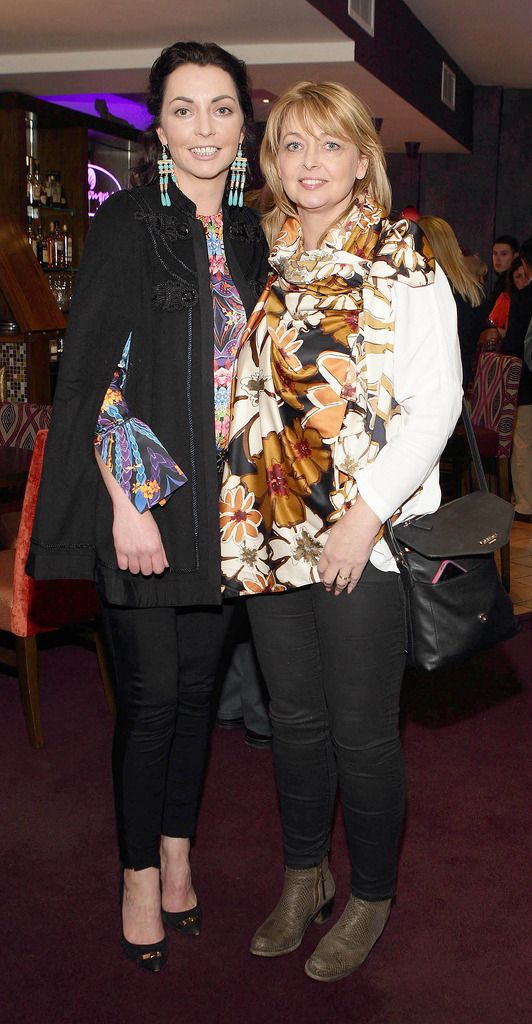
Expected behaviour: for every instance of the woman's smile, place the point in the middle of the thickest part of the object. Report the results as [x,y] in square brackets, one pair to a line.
[312,183]
[204,152]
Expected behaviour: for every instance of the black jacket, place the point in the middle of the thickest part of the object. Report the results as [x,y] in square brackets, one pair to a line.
[470,321]
[144,270]
[514,339]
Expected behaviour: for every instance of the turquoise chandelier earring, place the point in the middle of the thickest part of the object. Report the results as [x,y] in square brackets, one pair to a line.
[166,170]
[238,179]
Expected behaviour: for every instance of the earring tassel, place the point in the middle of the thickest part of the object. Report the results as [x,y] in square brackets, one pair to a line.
[166,169]
[238,179]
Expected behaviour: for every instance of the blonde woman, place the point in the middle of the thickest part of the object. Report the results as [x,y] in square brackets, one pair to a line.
[348,388]
[471,305]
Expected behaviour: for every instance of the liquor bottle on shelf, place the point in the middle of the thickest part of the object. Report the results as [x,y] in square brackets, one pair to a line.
[30,235]
[59,248]
[36,241]
[67,246]
[39,244]
[29,195]
[50,245]
[49,189]
[56,189]
[36,191]
[44,253]
[43,190]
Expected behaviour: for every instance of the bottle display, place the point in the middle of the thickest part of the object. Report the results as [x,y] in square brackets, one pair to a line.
[54,191]
[33,206]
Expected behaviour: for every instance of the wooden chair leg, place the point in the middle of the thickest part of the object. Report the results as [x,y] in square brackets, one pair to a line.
[503,478]
[26,647]
[106,668]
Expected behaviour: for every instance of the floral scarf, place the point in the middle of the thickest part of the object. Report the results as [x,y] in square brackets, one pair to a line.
[313,396]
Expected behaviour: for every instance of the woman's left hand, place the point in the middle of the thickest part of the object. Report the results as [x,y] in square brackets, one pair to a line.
[348,548]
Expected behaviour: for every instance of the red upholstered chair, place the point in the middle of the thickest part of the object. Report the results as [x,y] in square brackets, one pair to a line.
[493,409]
[19,424]
[29,607]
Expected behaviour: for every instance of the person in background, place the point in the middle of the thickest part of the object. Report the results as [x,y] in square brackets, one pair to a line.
[513,344]
[348,386]
[243,699]
[477,267]
[504,250]
[517,279]
[468,293]
[130,484]
[411,213]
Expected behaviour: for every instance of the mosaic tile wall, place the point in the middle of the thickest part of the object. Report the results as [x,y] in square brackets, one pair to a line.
[13,357]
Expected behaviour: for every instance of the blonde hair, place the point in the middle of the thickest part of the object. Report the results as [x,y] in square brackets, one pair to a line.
[477,266]
[446,249]
[334,109]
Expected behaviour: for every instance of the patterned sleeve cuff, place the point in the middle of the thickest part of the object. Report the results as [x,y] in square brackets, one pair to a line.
[138,461]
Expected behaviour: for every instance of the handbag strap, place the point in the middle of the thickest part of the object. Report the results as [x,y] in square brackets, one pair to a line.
[473,447]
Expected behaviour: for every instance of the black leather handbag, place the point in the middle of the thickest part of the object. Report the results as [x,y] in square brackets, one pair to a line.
[455,602]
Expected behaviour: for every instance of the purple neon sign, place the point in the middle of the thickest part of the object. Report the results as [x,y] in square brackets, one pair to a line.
[101,185]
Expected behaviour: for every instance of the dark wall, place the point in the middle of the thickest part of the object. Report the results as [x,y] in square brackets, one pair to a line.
[484,193]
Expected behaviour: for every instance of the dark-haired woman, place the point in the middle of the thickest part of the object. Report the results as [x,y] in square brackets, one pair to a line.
[170,271]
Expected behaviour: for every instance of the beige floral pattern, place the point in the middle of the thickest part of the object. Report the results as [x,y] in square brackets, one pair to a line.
[313,395]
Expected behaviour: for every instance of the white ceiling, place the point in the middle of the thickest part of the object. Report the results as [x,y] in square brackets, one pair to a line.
[34,27]
[68,46]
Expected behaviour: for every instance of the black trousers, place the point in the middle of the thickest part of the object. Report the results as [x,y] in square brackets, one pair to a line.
[165,662]
[333,667]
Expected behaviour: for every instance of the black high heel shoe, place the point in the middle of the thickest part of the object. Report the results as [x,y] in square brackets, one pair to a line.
[151,957]
[188,922]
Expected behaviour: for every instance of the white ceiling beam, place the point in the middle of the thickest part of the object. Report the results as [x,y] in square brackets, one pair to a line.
[102,60]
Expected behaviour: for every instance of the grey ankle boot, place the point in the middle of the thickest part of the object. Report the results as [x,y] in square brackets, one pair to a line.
[349,941]
[307,896]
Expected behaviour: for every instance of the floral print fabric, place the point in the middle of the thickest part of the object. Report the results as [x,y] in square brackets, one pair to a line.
[229,323]
[313,397]
[131,451]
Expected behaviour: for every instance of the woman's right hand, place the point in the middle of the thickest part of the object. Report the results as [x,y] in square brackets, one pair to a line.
[136,536]
[137,540]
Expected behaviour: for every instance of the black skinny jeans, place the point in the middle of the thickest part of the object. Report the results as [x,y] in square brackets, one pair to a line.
[333,667]
[165,662]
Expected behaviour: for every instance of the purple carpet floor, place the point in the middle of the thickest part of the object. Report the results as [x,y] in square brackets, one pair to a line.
[456,949]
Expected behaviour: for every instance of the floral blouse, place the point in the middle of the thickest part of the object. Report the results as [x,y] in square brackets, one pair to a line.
[229,323]
[142,466]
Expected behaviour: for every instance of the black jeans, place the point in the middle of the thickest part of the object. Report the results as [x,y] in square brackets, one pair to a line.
[165,662]
[333,667]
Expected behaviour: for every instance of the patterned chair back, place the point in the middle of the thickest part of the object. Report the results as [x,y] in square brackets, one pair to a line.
[20,421]
[494,397]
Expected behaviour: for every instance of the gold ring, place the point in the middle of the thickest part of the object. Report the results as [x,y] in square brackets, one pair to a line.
[342,577]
